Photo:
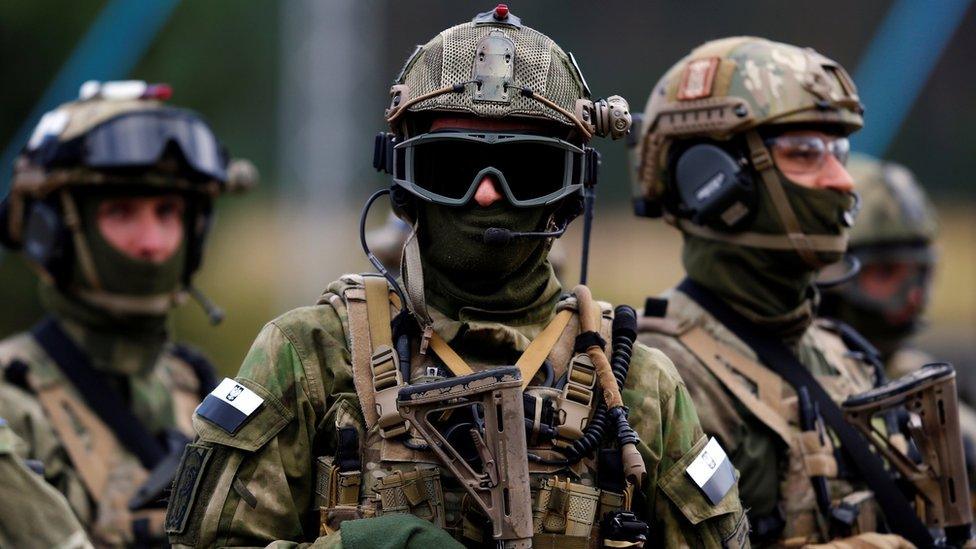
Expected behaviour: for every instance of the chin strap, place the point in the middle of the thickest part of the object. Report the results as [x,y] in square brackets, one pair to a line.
[794,239]
[121,304]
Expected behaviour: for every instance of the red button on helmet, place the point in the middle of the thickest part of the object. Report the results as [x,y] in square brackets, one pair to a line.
[501,11]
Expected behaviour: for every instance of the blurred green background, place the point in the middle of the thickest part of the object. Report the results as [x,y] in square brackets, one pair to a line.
[299,87]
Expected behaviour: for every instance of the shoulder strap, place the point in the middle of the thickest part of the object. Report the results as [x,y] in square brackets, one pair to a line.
[97,393]
[900,516]
[721,360]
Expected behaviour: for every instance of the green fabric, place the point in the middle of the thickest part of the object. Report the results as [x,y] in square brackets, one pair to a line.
[117,272]
[394,532]
[460,270]
[772,287]
[121,345]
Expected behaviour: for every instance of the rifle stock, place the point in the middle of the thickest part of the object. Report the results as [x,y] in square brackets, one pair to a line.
[501,487]
[940,480]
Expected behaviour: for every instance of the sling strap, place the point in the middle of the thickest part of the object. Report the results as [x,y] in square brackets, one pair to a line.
[98,394]
[901,518]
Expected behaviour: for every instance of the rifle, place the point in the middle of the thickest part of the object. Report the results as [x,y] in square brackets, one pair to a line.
[940,480]
[500,486]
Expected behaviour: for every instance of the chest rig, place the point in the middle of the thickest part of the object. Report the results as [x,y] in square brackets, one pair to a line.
[381,465]
[814,476]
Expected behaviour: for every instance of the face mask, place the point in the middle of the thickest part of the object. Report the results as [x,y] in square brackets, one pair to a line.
[765,283]
[466,271]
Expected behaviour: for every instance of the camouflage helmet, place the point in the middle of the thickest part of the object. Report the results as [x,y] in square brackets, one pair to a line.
[729,86]
[495,67]
[734,87]
[897,220]
[117,135]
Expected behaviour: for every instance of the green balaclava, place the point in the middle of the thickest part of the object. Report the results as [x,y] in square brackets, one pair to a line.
[461,270]
[773,288]
[123,344]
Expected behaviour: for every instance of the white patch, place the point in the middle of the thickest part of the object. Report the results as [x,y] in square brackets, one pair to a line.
[52,123]
[707,463]
[238,396]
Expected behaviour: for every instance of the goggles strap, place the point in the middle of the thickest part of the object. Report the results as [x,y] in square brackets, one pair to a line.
[763,163]
[82,252]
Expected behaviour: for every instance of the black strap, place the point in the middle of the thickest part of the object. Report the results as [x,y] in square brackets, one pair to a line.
[203,369]
[900,516]
[98,393]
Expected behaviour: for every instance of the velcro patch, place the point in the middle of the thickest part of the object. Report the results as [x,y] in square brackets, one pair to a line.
[697,80]
[712,471]
[229,405]
[192,465]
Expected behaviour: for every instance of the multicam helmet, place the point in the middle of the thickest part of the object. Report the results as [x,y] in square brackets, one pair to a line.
[495,67]
[117,135]
[897,221]
[736,86]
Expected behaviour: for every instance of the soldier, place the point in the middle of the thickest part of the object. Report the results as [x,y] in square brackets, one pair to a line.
[743,149]
[491,122]
[111,202]
[29,501]
[894,241]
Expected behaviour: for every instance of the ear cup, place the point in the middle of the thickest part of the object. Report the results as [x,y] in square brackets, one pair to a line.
[46,241]
[713,189]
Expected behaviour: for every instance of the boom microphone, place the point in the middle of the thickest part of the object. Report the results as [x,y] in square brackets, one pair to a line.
[496,236]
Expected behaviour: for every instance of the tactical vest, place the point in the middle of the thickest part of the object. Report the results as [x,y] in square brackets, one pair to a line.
[811,453]
[377,468]
[111,475]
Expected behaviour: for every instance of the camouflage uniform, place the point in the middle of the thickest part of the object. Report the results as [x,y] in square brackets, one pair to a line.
[37,502]
[759,254]
[107,314]
[275,477]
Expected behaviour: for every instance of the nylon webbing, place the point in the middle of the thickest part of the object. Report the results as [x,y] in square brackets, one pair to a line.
[537,351]
[714,355]
[101,397]
[378,311]
[528,363]
[900,516]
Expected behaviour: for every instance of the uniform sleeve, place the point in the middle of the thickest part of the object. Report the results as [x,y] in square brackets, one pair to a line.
[662,413]
[254,487]
[38,503]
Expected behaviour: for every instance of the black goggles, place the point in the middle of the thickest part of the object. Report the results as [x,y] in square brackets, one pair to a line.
[139,139]
[531,170]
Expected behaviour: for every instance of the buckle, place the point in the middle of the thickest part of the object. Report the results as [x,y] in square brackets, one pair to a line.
[385,367]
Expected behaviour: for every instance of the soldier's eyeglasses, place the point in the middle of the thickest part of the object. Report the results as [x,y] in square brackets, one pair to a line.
[446,168]
[804,154]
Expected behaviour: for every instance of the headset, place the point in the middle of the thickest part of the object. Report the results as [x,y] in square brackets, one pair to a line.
[713,185]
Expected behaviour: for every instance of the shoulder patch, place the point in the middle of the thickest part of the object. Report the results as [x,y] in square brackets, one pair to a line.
[192,465]
[712,471]
[229,405]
